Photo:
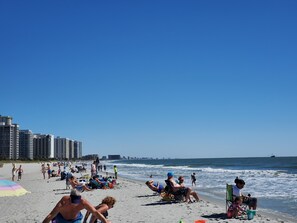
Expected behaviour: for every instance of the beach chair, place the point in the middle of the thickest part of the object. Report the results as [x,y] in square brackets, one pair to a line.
[229,196]
[230,199]
[171,194]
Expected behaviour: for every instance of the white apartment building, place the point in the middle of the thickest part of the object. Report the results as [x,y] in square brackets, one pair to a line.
[43,146]
[9,138]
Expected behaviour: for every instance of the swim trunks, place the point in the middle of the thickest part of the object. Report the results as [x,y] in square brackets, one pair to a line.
[60,219]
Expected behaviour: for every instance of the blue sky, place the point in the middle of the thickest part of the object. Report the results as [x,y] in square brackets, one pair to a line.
[154,78]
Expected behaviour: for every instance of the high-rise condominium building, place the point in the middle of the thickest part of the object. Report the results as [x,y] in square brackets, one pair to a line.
[43,146]
[26,144]
[62,148]
[9,138]
[77,149]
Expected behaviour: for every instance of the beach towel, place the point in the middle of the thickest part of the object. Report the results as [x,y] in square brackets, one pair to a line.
[60,219]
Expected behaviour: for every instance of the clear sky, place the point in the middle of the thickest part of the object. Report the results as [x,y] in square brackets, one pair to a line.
[180,79]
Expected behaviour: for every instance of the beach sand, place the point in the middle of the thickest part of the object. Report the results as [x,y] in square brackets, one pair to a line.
[135,202]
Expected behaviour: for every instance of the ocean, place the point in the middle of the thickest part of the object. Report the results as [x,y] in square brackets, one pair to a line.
[272,180]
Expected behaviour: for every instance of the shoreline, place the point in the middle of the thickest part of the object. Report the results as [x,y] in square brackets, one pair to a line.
[135,202]
[266,214]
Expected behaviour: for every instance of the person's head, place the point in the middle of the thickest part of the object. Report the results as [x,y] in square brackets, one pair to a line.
[193,173]
[75,196]
[148,182]
[239,183]
[170,174]
[181,179]
[238,200]
[109,201]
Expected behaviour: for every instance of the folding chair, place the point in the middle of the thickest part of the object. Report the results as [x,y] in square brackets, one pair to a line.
[229,196]
[169,191]
[230,199]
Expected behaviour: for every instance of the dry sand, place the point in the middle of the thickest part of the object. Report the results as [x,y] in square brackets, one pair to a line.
[135,202]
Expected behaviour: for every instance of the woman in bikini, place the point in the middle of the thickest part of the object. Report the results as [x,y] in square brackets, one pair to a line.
[106,204]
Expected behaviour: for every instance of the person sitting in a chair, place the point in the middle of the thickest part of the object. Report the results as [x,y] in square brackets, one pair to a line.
[159,188]
[80,186]
[180,189]
[248,200]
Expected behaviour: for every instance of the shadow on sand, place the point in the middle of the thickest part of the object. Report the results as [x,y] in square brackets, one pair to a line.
[151,195]
[221,216]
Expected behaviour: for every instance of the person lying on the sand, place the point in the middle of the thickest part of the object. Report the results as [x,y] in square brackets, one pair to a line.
[159,188]
[69,207]
[106,204]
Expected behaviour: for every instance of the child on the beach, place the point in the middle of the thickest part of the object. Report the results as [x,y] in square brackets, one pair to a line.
[235,210]
[20,172]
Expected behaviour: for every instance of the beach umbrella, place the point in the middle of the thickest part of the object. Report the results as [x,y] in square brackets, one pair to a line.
[10,188]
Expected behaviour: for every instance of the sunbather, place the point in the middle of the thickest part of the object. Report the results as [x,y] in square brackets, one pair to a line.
[181,181]
[80,186]
[69,207]
[180,189]
[106,204]
[159,188]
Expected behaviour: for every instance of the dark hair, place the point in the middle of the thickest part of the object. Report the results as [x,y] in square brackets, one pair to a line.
[239,181]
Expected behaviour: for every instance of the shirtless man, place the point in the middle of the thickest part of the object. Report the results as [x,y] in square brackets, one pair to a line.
[181,188]
[69,207]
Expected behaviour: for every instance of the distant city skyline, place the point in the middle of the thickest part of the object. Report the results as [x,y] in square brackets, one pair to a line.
[23,144]
[195,79]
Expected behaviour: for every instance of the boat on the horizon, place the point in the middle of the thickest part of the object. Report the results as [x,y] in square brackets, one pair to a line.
[272,156]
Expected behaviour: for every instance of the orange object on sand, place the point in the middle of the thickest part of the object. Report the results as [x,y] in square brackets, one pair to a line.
[200,221]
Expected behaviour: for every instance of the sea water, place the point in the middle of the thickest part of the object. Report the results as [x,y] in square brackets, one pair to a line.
[272,180]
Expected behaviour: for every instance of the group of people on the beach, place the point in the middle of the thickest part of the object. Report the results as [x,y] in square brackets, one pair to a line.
[239,204]
[19,171]
[174,187]
[68,209]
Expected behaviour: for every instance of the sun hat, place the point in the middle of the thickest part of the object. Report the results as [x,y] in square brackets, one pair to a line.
[170,174]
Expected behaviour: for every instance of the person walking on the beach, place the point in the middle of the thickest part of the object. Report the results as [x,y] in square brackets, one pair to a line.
[43,170]
[49,171]
[115,171]
[20,172]
[93,169]
[97,161]
[13,170]
[193,178]
[106,204]
[69,207]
